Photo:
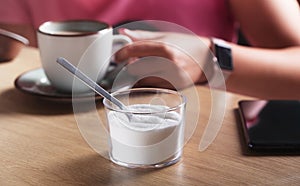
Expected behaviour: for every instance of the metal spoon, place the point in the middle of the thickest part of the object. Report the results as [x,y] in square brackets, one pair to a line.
[89,82]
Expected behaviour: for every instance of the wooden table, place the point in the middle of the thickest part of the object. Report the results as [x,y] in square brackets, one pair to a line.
[41,145]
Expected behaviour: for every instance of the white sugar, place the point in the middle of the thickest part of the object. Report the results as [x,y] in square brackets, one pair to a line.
[145,138]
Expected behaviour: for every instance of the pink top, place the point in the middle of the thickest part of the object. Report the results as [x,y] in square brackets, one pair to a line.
[203,17]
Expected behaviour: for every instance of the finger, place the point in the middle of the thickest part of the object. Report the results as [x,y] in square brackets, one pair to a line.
[143,49]
[136,35]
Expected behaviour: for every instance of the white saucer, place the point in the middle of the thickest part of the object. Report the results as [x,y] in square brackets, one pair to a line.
[35,82]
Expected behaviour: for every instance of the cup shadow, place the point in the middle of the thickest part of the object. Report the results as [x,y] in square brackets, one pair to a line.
[15,101]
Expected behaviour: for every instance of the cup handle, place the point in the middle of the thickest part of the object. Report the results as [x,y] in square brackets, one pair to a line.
[119,41]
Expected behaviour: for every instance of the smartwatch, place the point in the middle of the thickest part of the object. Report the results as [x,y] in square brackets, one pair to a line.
[222,60]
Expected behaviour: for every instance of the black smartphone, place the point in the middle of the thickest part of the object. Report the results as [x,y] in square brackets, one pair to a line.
[271,126]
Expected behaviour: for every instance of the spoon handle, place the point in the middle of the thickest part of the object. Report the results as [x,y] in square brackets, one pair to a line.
[89,82]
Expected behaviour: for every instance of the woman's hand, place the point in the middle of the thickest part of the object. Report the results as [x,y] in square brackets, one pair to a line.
[187,53]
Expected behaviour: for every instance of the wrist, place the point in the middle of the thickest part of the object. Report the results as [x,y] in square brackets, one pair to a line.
[202,78]
[220,66]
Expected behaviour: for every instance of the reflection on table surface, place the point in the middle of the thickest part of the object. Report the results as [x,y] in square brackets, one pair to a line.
[41,145]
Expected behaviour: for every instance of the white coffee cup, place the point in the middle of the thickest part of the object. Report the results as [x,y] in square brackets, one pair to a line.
[86,44]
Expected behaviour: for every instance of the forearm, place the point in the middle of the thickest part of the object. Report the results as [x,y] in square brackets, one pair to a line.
[263,73]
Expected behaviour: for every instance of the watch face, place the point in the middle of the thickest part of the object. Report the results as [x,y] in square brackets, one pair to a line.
[224,57]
